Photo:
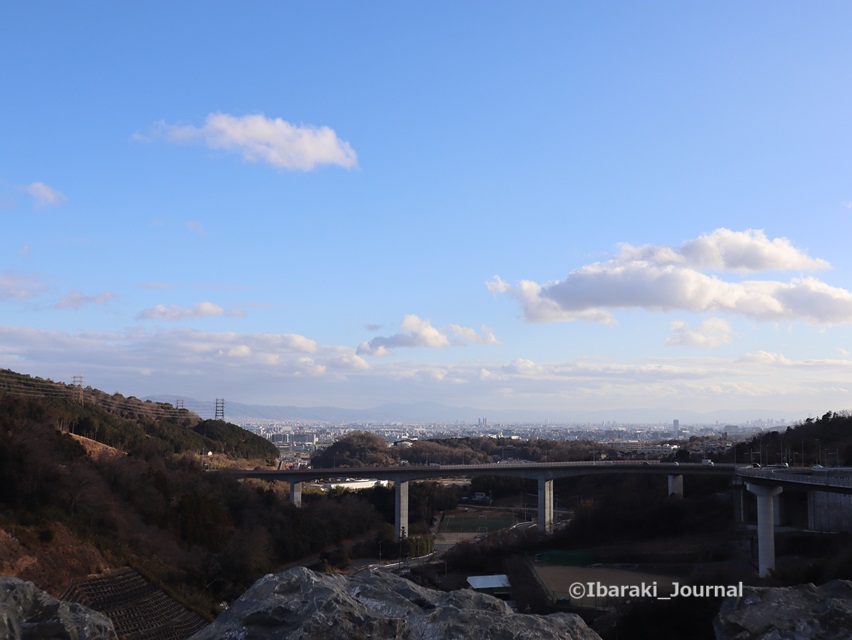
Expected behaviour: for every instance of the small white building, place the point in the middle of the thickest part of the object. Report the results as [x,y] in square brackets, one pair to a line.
[495,585]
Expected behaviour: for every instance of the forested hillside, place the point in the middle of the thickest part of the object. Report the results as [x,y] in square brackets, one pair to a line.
[364,449]
[143,498]
[825,441]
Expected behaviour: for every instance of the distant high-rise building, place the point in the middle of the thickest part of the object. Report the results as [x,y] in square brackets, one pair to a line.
[676,424]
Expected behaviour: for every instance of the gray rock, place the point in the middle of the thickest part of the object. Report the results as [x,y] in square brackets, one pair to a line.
[804,612]
[27,613]
[375,605]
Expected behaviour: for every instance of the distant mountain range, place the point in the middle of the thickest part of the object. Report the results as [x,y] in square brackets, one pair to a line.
[433,412]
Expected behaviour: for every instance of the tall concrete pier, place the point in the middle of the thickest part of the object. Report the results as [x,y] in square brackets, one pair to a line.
[400,500]
[545,505]
[766,496]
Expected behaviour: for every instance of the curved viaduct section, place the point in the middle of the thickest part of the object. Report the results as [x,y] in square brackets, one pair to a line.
[767,485]
[544,472]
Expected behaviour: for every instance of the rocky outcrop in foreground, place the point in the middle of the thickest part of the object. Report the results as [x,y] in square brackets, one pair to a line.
[788,613]
[377,605]
[28,612]
[138,609]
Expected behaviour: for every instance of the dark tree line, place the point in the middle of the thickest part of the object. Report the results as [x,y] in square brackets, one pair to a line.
[826,440]
[356,449]
[365,449]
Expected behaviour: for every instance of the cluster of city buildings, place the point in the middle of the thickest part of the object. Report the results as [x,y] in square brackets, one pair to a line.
[298,440]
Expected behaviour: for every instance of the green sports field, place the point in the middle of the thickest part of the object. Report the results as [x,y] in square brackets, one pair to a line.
[455,523]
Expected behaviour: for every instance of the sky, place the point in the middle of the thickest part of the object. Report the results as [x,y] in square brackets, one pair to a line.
[545,206]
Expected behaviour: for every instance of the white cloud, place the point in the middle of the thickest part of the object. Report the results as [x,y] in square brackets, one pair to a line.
[74,299]
[713,332]
[417,333]
[182,355]
[665,279]
[174,312]
[19,287]
[271,140]
[293,369]
[726,250]
[423,333]
[240,351]
[497,285]
[287,341]
[43,194]
[349,361]
[466,335]
[541,308]
[420,333]
[766,357]
[523,367]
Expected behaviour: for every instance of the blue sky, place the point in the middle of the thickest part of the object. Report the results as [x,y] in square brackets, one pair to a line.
[546,206]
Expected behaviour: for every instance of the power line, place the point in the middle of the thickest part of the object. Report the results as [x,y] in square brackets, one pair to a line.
[13,384]
[20,385]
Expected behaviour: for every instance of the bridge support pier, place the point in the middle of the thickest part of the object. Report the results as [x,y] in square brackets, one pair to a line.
[676,485]
[400,499]
[296,494]
[765,526]
[545,505]
[777,515]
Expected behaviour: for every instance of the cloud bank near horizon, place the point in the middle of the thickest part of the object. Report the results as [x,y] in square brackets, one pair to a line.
[190,360]
[255,366]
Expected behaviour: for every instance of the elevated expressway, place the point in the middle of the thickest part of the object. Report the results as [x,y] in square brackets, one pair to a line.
[765,483]
[544,472]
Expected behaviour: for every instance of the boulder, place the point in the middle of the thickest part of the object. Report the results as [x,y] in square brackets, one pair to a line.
[377,605]
[27,612]
[803,612]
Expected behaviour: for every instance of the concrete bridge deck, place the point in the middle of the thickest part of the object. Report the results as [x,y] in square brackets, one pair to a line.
[765,483]
[534,470]
[543,472]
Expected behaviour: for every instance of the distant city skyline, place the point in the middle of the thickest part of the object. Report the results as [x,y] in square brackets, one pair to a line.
[434,413]
[561,209]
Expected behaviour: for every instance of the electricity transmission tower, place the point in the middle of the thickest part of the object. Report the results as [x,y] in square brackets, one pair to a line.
[220,409]
[77,381]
